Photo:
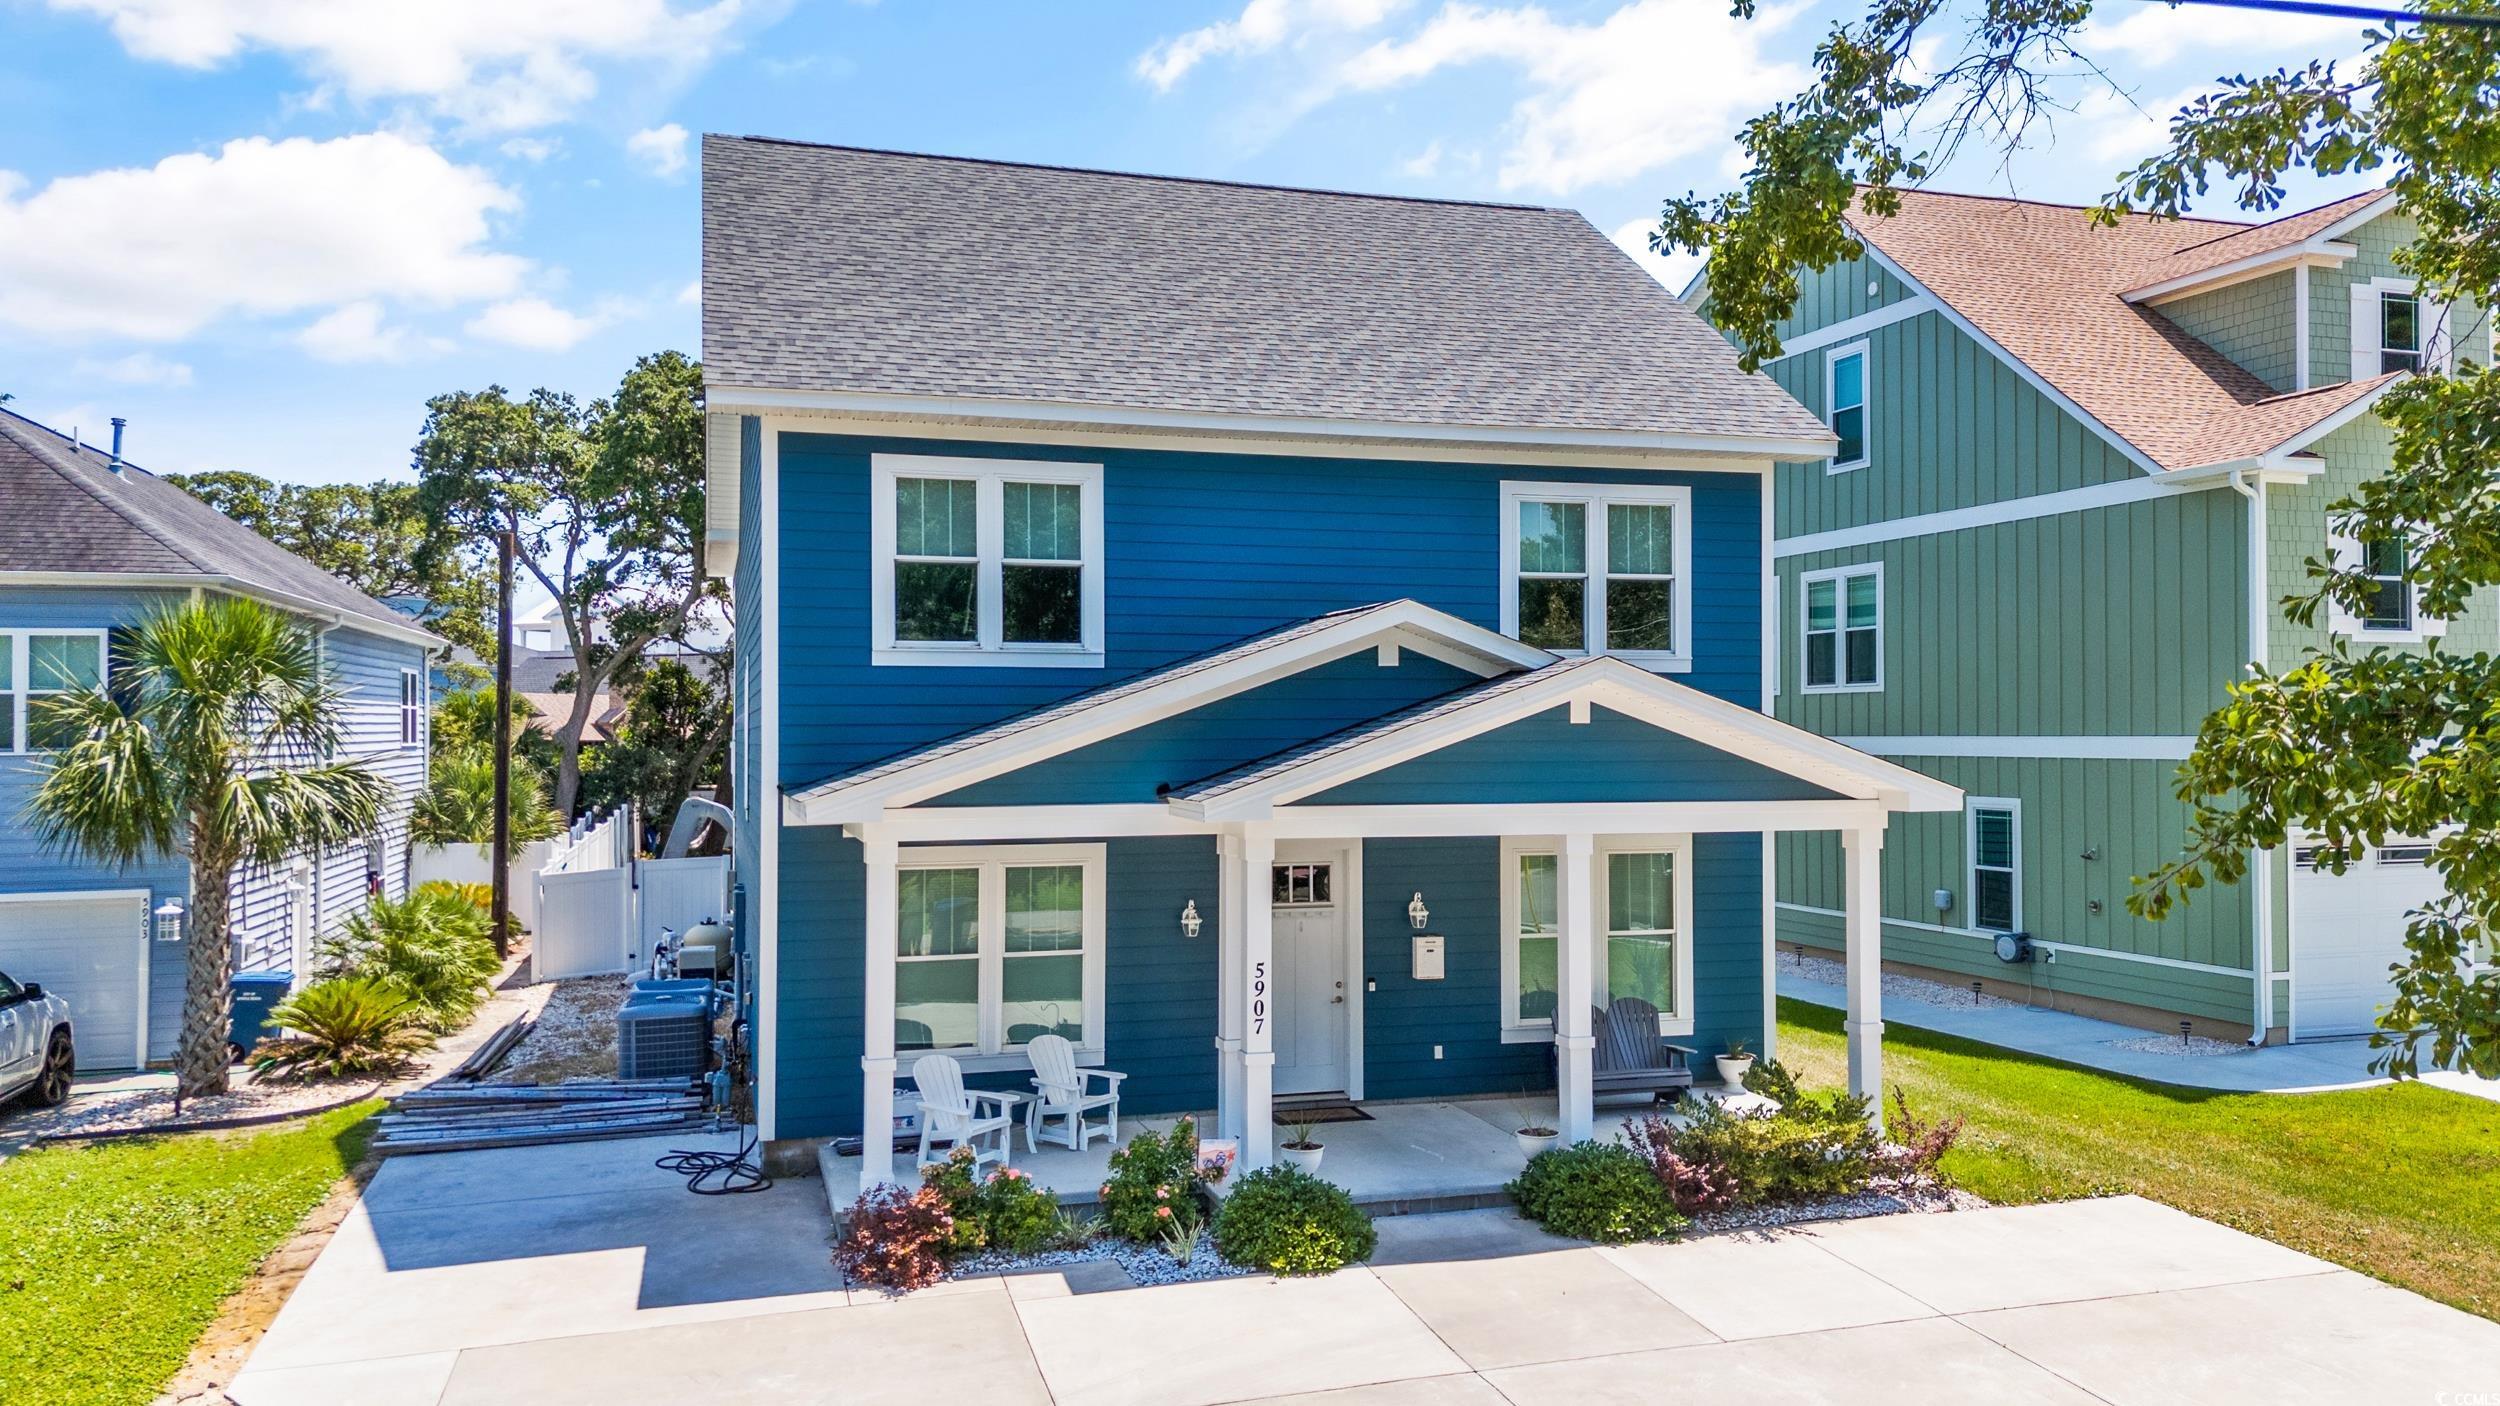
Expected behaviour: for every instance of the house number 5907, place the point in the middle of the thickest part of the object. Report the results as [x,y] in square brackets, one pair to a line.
[1258,997]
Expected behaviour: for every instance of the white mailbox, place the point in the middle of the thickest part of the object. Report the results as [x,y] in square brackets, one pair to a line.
[1427,956]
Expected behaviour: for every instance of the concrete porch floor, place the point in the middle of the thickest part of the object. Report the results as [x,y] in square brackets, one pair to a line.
[1429,1156]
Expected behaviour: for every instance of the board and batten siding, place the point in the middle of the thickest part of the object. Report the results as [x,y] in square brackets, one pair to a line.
[2118,621]
[1950,425]
[1849,288]
[2124,814]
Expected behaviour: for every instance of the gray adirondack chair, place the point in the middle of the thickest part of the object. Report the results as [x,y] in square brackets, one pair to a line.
[1632,1057]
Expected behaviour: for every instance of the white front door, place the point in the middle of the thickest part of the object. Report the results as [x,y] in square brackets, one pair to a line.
[1310,978]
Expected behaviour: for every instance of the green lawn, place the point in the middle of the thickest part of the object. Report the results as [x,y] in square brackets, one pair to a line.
[114,1257]
[2401,1183]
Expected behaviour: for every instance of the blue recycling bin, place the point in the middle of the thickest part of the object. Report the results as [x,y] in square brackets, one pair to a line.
[254,994]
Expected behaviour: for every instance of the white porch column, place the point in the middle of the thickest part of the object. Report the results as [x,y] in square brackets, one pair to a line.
[1258,997]
[1575,986]
[1231,1012]
[1863,858]
[876,1061]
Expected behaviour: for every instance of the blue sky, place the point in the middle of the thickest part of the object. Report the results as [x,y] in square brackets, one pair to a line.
[267,230]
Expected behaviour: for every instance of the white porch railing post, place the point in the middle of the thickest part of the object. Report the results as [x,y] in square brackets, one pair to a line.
[876,1062]
[1258,998]
[1575,1039]
[1863,858]
[1231,1012]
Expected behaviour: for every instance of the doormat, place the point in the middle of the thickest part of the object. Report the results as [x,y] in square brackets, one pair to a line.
[1315,1113]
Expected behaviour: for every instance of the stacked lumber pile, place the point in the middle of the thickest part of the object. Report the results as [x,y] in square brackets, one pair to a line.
[450,1116]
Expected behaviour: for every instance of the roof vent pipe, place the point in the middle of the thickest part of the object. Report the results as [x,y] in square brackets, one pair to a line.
[119,424]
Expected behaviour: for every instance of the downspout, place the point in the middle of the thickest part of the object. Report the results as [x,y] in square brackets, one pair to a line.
[2261,862]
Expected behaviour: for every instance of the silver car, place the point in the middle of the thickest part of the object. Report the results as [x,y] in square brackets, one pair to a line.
[37,1055]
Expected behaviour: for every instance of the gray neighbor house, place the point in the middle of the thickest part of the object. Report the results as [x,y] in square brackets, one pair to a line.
[89,544]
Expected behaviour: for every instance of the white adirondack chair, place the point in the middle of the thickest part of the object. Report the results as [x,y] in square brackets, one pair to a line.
[1063,1092]
[952,1116]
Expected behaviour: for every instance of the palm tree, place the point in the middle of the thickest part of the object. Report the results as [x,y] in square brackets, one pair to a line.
[211,740]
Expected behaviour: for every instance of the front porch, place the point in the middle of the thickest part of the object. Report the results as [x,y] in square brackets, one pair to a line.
[1410,1157]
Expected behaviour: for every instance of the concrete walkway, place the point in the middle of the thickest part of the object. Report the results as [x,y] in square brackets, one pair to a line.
[580,1275]
[2303,1068]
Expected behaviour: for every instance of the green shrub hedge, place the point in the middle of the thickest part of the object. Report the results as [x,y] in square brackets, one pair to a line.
[1601,1191]
[1286,1221]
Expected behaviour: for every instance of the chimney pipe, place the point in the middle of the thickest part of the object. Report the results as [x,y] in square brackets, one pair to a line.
[119,424]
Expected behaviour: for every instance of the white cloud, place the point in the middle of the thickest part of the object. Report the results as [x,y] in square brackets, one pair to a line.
[536,324]
[2154,35]
[136,369]
[530,148]
[1262,25]
[1655,81]
[259,228]
[1675,270]
[1425,163]
[357,332]
[489,64]
[692,294]
[663,148]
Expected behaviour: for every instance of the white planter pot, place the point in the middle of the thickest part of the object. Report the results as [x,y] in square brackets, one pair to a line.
[1732,1070]
[1306,1158]
[1530,1144]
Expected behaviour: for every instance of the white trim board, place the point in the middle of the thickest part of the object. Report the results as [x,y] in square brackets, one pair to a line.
[2037,505]
[767,399]
[2020,368]
[2114,749]
[407,632]
[764,905]
[1849,329]
[1980,935]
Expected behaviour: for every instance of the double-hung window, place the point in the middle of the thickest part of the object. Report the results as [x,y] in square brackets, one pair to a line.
[1599,569]
[411,708]
[2391,591]
[2399,332]
[986,561]
[1643,887]
[994,946]
[1996,882]
[1843,629]
[1844,392]
[37,666]
[2393,613]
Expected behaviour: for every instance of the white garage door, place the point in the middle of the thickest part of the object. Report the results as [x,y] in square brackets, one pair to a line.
[91,950]
[2347,930]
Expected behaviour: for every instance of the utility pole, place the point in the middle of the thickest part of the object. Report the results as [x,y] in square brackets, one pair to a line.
[502,904]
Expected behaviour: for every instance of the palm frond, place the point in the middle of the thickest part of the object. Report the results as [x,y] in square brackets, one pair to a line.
[106,795]
[269,815]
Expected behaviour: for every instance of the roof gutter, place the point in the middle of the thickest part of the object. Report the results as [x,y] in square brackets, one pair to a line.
[757,400]
[329,615]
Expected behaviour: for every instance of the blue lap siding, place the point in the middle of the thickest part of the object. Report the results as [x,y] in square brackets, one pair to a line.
[1549,758]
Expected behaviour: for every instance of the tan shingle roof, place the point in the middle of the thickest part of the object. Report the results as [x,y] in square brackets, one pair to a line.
[2046,285]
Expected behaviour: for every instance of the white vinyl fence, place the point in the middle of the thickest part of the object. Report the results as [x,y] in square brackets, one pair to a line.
[474,864]
[600,908]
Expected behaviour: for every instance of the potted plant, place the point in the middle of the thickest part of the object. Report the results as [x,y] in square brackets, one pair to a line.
[1300,1148]
[1534,1139]
[1735,1064]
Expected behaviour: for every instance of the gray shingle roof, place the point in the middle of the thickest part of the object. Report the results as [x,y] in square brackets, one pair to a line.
[68,511]
[1089,700]
[837,269]
[1252,772]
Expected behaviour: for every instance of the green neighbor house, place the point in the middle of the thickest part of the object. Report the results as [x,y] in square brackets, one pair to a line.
[2079,469]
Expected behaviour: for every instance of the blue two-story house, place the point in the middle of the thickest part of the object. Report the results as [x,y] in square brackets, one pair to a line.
[1163,605]
[89,544]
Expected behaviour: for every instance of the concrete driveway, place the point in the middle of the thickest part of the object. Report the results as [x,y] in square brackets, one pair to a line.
[564,1275]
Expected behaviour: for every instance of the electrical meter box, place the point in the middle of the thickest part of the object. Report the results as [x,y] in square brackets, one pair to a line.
[1427,956]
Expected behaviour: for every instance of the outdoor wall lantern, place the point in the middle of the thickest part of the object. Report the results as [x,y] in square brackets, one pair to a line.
[1190,921]
[1416,912]
[168,917]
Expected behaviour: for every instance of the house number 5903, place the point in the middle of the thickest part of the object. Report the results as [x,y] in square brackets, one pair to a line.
[1258,997]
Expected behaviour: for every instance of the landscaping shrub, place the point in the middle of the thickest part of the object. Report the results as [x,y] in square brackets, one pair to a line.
[895,1238]
[1286,1221]
[1016,1215]
[342,1026]
[1816,1146]
[1692,1185]
[433,947]
[1147,1176]
[1601,1191]
[1771,1079]
[1914,1150]
[478,896]
[956,1185]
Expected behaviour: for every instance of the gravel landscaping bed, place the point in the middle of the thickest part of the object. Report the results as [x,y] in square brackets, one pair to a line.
[1896,987]
[1147,1265]
[1890,1201]
[574,1037]
[2194,1046]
